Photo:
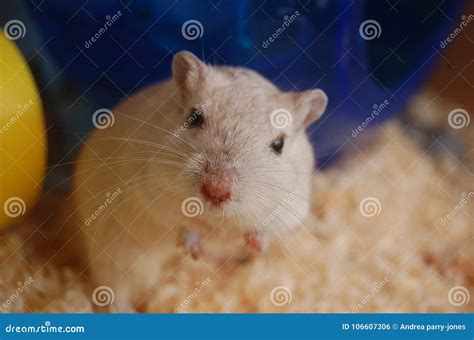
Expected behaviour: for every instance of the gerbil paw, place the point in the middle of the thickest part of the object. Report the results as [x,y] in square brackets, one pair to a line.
[190,240]
[255,241]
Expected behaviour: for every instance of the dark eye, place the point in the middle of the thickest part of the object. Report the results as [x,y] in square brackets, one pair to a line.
[196,118]
[277,144]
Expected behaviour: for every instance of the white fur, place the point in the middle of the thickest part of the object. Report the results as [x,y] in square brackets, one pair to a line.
[128,244]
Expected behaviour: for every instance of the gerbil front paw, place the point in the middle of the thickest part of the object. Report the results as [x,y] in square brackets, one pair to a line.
[255,241]
[190,240]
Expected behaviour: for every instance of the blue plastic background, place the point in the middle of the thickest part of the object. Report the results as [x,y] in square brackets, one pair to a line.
[321,48]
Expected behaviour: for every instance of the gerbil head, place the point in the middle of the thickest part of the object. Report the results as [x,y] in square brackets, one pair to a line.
[248,156]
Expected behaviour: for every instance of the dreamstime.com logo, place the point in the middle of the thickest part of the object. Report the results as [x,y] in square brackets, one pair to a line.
[465,198]
[370,29]
[281,118]
[103,118]
[200,109]
[281,296]
[377,109]
[284,205]
[458,119]
[192,30]
[110,198]
[465,21]
[192,207]
[14,29]
[288,20]
[374,290]
[21,109]
[370,206]
[22,286]
[197,290]
[14,207]
[47,327]
[458,296]
[103,296]
[110,20]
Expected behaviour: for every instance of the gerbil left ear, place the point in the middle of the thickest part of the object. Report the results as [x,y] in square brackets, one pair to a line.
[310,105]
[188,73]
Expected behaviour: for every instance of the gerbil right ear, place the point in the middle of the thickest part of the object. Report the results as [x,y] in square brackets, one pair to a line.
[188,72]
[311,104]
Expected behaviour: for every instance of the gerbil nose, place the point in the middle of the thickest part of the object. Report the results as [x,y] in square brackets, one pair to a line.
[217,188]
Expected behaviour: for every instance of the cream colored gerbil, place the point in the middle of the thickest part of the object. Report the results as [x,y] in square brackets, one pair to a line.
[212,149]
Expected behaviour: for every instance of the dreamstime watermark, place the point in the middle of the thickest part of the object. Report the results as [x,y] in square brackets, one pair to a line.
[370,29]
[465,21]
[14,29]
[458,119]
[46,328]
[21,109]
[377,109]
[192,30]
[110,197]
[465,198]
[192,207]
[103,296]
[280,207]
[14,207]
[288,20]
[22,286]
[281,118]
[281,296]
[375,288]
[200,286]
[458,296]
[111,19]
[103,118]
[192,118]
[370,206]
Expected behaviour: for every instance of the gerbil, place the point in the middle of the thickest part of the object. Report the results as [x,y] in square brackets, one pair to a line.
[211,148]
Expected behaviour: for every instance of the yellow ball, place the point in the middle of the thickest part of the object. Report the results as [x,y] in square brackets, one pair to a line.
[23,147]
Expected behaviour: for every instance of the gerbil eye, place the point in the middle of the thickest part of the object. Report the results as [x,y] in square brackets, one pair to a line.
[277,144]
[196,118]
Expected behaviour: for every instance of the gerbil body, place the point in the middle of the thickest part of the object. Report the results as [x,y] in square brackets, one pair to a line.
[197,154]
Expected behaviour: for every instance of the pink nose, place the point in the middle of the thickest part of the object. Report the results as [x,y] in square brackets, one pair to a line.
[218,189]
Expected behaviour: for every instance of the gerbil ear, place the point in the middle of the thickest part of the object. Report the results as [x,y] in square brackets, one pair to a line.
[310,105]
[188,72]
